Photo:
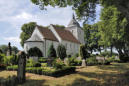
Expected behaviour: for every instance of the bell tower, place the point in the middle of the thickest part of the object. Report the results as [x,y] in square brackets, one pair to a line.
[76,30]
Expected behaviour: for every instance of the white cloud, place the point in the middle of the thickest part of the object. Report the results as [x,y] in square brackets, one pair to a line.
[24,16]
[12,39]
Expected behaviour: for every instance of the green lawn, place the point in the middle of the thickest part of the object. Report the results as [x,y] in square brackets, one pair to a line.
[116,74]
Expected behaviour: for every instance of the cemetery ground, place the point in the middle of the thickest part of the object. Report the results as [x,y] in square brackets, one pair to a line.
[116,74]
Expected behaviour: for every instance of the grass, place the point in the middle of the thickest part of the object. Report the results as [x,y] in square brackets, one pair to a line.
[116,74]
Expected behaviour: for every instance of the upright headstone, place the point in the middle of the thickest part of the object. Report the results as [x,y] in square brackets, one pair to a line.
[83,63]
[21,67]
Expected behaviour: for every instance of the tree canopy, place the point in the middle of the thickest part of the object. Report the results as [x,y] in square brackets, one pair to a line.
[27,30]
[4,49]
[86,8]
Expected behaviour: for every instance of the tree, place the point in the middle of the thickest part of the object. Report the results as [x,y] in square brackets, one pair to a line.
[1,51]
[113,29]
[61,51]
[86,8]
[27,30]
[4,49]
[35,52]
[91,37]
[83,52]
[51,51]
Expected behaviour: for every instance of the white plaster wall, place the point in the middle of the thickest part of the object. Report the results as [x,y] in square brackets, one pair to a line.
[48,44]
[71,48]
[36,36]
[39,45]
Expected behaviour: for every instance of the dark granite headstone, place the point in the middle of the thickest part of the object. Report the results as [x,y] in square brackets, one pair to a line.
[21,67]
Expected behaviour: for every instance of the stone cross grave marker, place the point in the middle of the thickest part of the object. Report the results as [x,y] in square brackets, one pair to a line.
[21,67]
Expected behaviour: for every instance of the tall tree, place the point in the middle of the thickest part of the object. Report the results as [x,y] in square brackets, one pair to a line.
[113,29]
[61,51]
[27,30]
[51,52]
[91,37]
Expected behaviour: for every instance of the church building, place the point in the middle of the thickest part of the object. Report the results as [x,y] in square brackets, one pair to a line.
[71,37]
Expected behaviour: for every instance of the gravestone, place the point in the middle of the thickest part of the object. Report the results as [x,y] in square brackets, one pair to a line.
[50,61]
[21,67]
[83,63]
[66,61]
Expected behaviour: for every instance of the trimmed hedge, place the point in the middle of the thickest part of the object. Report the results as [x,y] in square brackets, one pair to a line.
[2,66]
[47,72]
[10,81]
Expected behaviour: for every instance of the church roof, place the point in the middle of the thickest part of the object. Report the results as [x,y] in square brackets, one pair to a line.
[65,34]
[73,22]
[47,33]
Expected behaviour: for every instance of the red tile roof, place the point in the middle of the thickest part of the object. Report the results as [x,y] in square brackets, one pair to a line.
[65,34]
[47,33]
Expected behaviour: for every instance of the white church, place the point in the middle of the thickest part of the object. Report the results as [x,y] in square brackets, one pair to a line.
[71,37]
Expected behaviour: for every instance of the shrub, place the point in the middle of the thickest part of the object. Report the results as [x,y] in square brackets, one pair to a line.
[107,53]
[42,60]
[10,81]
[37,64]
[51,51]
[13,67]
[74,62]
[58,64]
[91,61]
[2,58]
[61,51]
[44,64]
[30,63]
[83,52]
[2,66]
[124,58]
[35,52]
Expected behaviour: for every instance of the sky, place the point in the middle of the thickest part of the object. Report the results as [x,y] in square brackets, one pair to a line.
[15,13]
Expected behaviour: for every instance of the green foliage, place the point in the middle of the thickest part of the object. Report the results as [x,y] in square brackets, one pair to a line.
[113,29]
[61,51]
[44,64]
[27,30]
[1,58]
[4,49]
[83,52]
[51,51]
[42,60]
[35,52]
[74,62]
[13,67]
[107,53]
[1,51]
[31,62]
[58,64]
[92,36]
[124,59]
[113,59]
[9,81]
[92,61]
[84,9]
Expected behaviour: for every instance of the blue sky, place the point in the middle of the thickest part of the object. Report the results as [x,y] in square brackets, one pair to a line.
[14,13]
